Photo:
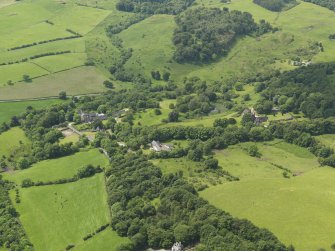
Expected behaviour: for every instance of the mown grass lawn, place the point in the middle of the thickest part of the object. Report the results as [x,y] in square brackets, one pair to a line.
[66,167]
[58,215]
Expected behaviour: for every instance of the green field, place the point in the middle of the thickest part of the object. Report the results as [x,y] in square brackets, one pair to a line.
[299,27]
[25,23]
[5,3]
[237,161]
[58,215]
[72,138]
[296,209]
[12,140]
[66,167]
[10,109]
[82,80]
[327,139]
[149,117]
[107,240]
[175,165]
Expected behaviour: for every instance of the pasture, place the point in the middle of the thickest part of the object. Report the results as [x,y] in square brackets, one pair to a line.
[205,121]
[58,215]
[193,172]
[5,3]
[42,28]
[81,80]
[296,209]
[327,139]
[149,117]
[236,160]
[11,140]
[299,27]
[54,169]
[10,109]
[106,240]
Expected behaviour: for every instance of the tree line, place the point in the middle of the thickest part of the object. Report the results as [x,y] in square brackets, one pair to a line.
[43,42]
[13,236]
[36,56]
[85,172]
[274,5]
[329,4]
[154,6]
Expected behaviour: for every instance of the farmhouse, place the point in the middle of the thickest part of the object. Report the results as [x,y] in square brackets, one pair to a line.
[158,147]
[91,117]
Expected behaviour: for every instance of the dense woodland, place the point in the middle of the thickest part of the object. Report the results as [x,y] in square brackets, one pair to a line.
[154,6]
[204,34]
[330,4]
[308,89]
[275,5]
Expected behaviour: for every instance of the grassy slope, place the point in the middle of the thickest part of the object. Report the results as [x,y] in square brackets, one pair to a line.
[76,81]
[295,212]
[58,215]
[107,240]
[152,37]
[65,167]
[30,28]
[239,163]
[5,3]
[149,117]
[11,139]
[328,140]
[7,110]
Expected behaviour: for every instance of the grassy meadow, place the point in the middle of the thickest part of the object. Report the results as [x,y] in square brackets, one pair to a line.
[82,80]
[11,140]
[106,240]
[296,209]
[31,22]
[149,117]
[58,215]
[10,109]
[66,167]
[327,139]
[237,161]
[298,27]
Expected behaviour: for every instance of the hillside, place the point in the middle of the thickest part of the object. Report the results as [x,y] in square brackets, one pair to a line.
[132,125]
